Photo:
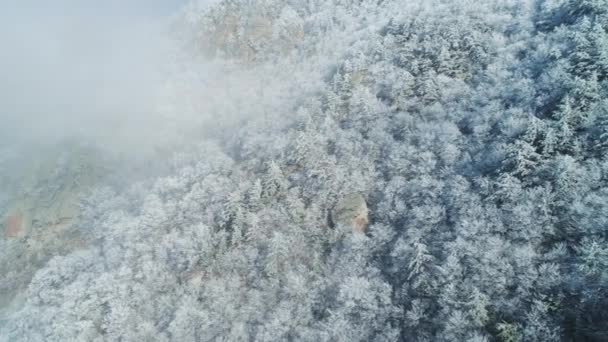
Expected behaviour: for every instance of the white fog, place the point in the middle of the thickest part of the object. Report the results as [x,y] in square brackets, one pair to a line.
[304,170]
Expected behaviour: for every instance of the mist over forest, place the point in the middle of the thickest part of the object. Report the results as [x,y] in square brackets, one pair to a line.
[304,170]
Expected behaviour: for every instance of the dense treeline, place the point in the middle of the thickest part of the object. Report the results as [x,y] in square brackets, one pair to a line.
[478,134]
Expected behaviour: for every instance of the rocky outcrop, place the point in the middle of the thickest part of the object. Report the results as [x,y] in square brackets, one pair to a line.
[247,32]
[39,216]
[351,211]
[14,226]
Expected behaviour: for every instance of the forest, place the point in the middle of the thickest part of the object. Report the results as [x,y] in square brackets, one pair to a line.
[335,170]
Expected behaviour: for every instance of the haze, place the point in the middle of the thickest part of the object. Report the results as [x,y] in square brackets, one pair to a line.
[80,69]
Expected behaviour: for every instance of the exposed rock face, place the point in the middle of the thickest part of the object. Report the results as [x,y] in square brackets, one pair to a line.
[45,204]
[243,32]
[351,211]
[40,212]
[13,225]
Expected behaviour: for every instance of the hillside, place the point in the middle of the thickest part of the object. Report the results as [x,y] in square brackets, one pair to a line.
[347,170]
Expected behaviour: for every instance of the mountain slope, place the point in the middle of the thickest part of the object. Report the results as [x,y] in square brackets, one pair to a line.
[476,134]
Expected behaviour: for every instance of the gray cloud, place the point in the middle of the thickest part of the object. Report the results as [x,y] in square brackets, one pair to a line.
[79,68]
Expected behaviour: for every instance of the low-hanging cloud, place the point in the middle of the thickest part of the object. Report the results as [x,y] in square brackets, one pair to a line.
[73,69]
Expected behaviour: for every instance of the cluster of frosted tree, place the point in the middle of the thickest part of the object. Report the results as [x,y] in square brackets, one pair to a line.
[477,131]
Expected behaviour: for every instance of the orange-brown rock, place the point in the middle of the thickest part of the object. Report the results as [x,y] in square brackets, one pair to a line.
[351,211]
[14,226]
[245,33]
